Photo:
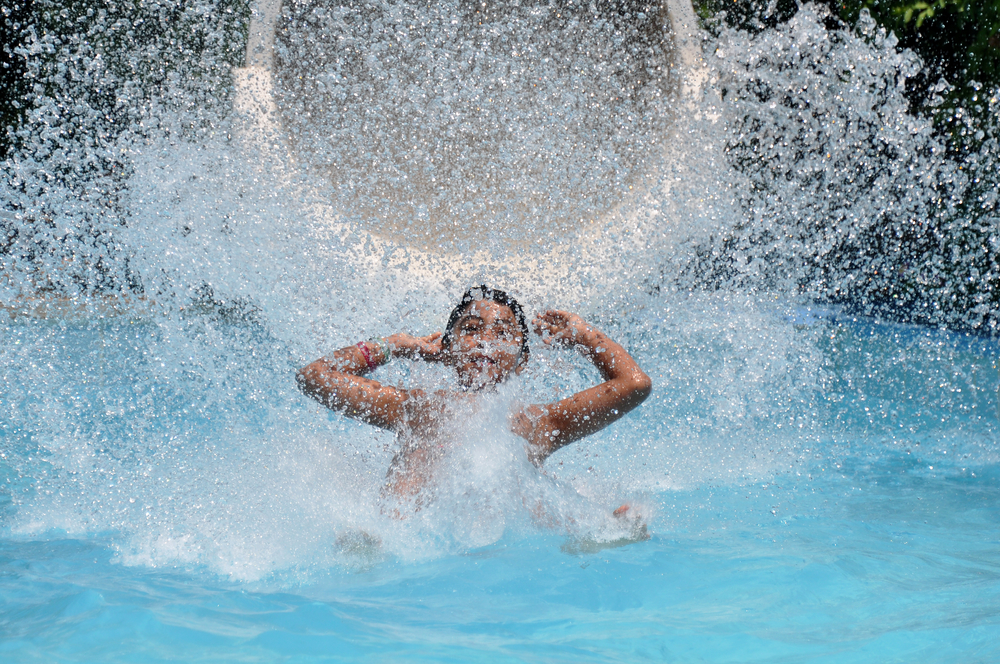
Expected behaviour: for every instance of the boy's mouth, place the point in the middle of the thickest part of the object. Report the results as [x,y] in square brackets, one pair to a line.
[483,360]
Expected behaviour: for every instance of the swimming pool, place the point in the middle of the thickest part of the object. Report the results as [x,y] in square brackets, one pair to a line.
[816,488]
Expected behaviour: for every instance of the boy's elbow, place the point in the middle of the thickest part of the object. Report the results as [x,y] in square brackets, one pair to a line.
[306,378]
[643,387]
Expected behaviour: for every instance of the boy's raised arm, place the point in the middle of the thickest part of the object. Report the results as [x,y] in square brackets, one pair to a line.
[550,427]
[337,381]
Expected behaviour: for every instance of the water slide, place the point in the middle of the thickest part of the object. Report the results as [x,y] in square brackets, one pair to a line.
[560,184]
[442,149]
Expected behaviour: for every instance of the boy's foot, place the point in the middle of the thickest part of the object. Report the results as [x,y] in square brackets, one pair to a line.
[638,531]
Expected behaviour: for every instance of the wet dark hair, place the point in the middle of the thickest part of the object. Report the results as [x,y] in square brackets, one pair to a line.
[484,292]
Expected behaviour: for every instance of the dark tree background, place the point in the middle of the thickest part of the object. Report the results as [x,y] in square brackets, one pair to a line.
[14,19]
[939,265]
[958,40]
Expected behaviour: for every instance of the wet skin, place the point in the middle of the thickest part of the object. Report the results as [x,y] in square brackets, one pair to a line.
[484,350]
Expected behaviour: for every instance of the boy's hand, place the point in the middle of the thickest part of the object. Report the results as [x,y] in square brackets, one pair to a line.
[560,326]
[426,348]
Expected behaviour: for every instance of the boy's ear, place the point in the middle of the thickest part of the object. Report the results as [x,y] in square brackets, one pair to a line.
[521,365]
[447,357]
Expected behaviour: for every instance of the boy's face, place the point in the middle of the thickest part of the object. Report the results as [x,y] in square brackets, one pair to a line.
[486,344]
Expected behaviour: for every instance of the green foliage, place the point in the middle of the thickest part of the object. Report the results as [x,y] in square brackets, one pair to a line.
[14,18]
[928,253]
[925,10]
[92,76]
[752,15]
[958,40]
[109,54]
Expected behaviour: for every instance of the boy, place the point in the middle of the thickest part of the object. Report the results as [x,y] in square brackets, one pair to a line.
[485,341]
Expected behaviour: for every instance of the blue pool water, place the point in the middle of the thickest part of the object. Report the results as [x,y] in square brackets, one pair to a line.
[182,229]
[852,516]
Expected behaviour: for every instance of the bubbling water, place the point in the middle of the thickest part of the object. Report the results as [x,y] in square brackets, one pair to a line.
[189,439]
[164,409]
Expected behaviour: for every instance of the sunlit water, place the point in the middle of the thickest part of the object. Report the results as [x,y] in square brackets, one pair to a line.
[815,486]
[814,489]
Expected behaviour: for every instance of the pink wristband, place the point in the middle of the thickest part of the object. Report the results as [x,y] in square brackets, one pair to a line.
[368,356]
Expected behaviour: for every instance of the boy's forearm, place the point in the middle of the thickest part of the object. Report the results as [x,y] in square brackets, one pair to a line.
[321,378]
[357,360]
[318,379]
[608,356]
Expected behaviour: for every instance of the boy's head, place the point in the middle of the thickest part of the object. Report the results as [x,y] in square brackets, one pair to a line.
[487,337]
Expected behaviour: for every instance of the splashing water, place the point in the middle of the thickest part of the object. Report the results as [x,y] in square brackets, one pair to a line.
[173,253]
[847,196]
[450,121]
